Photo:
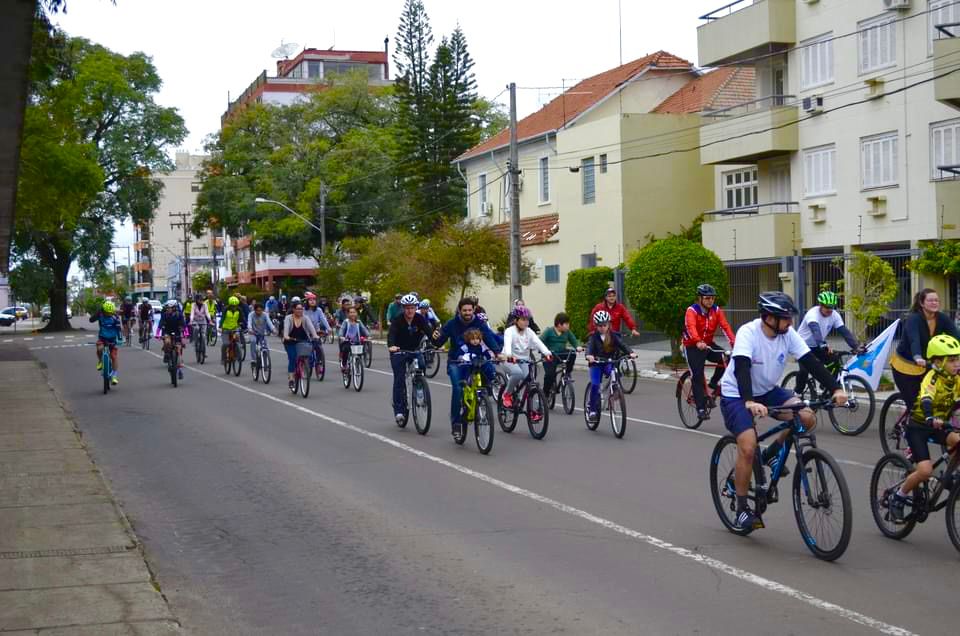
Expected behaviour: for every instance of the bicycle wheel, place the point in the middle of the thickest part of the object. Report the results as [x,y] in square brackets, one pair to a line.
[237,359]
[892,413]
[255,368]
[147,339]
[265,369]
[888,474]
[211,336]
[172,366]
[628,375]
[617,405]
[432,362]
[320,364]
[538,415]
[345,374]
[106,371]
[357,374]
[198,350]
[367,354]
[422,407]
[551,398]
[953,516]
[483,424]
[242,349]
[460,434]
[227,362]
[569,396]
[723,462]
[591,424]
[506,417]
[856,417]
[304,372]
[685,402]
[821,502]
[789,381]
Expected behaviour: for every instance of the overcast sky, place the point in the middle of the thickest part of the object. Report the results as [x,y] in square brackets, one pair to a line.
[207,49]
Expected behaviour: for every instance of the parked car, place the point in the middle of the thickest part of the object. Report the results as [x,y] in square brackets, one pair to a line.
[7,320]
[45,312]
[18,312]
[157,305]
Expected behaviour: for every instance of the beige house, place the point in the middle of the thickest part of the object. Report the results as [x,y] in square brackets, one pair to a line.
[596,180]
[851,141]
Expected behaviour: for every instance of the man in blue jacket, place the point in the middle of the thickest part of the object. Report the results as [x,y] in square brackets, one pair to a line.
[453,330]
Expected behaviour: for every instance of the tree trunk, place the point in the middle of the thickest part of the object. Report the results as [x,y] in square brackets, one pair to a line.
[58,295]
[675,349]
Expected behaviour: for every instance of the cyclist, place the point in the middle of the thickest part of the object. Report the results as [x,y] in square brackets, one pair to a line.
[751,384]
[315,313]
[454,330]
[563,344]
[617,310]
[427,312]
[187,312]
[200,317]
[244,316]
[259,326]
[939,391]
[352,331]
[341,315]
[127,312]
[816,325]
[700,324]
[394,309]
[603,342]
[296,328]
[272,306]
[145,312]
[363,311]
[107,336]
[406,332]
[171,328]
[230,322]
[519,341]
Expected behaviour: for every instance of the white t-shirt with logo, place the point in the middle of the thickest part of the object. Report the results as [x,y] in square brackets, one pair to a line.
[768,358]
[827,324]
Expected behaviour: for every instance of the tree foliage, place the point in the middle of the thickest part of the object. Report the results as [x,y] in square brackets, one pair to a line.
[941,258]
[662,279]
[31,281]
[874,288]
[585,288]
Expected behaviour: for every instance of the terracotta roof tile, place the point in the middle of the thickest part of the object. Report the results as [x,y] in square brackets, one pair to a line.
[534,230]
[717,89]
[579,98]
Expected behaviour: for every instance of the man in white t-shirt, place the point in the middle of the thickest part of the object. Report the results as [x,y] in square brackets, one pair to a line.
[817,324]
[751,384]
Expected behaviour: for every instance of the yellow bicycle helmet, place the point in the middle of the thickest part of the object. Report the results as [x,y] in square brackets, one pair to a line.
[108,307]
[942,346]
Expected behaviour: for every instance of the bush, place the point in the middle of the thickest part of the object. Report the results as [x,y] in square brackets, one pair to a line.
[662,279]
[585,289]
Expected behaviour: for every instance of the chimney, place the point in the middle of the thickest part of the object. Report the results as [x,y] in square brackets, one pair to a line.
[386,61]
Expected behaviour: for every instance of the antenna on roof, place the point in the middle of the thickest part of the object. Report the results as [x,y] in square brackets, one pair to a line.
[283,51]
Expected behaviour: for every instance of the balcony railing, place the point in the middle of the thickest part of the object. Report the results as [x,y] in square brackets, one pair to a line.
[776,207]
[726,10]
[753,106]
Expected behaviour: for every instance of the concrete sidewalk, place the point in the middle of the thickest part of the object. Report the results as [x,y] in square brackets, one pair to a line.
[69,561]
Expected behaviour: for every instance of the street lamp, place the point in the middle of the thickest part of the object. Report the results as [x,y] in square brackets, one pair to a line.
[323,237]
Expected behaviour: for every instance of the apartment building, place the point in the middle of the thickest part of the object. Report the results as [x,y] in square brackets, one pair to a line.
[594,182]
[851,140]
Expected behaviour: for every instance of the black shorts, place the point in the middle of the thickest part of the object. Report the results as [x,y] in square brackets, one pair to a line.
[176,337]
[919,437]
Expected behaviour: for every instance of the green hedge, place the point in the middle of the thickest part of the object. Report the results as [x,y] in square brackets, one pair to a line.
[585,289]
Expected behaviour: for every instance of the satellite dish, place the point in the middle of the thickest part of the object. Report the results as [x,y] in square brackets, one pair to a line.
[284,51]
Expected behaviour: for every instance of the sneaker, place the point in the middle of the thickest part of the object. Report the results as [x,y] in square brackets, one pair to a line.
[772,463]
[180,373]
[290,385]
[897,504]
[703,414]
[399,417]
[99,365]
[114,380]
[593,416]
[455,429]
[536,416]
[507,401]
[747,520]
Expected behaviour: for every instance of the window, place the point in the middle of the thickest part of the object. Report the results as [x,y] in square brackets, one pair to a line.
[878,160]
[313,70]
[195,186]
[588,260]
[551,273]
[816,61]
[877,43]
[544,179]
[942,12]
[482,189]
[589,180]
[340,68]
[603,164]
[944,147]
[740,188]
[296,72]
[819,167]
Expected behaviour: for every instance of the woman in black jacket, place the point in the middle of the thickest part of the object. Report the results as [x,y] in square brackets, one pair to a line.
[924,321]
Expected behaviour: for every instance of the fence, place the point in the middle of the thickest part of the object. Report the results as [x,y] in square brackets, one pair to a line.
[747,280]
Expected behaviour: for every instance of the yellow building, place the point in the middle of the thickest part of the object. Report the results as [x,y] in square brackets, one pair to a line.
[602,169]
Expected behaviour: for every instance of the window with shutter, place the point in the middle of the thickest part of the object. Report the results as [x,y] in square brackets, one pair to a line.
[944,147]
[878,160]
[588,172]
[816,61]
[940,12]
[818,171]
[877,43]
[544,179]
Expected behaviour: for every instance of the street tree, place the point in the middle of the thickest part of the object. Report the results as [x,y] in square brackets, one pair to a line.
[31,281]
[463,253]
[873,287]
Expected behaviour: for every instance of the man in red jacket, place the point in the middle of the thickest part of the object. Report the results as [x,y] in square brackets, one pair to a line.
[699,326]
[617,310]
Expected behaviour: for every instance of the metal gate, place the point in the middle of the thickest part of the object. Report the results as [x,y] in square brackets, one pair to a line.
[747,279]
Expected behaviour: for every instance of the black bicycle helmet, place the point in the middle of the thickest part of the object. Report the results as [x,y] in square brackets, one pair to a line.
[776,303]
[706,290]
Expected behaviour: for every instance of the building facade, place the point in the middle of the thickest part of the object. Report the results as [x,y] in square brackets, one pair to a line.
[850,141]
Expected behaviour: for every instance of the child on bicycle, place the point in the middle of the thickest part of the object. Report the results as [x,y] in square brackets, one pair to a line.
[171,328]
[230,322]
[258,326]
[939,391]
[519,341]
[603,343]
[107,336]
[474,347]
[563,344]
[352,332]
[199,317]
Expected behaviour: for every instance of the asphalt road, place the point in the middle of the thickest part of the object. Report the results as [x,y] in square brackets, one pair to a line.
[267,513]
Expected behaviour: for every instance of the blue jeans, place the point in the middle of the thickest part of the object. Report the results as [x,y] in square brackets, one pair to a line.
[597,373]
[291,348]
[399,363]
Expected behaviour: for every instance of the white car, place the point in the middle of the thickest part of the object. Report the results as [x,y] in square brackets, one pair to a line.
[45,312]
[157,306]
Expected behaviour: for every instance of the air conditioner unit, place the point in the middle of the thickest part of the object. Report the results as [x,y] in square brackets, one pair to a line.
[813,104]
[896,5]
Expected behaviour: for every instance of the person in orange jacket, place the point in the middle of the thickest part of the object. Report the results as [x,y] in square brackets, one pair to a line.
[699,326]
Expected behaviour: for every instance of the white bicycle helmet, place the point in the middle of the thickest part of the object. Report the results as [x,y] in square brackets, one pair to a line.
[601,317]
[295,299]
[409,299]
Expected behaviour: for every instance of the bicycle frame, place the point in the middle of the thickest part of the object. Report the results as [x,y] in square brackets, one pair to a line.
[799,439]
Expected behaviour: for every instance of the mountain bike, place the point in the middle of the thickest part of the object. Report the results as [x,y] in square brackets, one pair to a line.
[564,385]
[819,487]
[232,362]
[367,353]
[686,403]
[611,398]
[418,393]
[477,407]
[128,332]
[171,353]
[260,364]
[893,423]
[528,398]
[353,371]
[145,336]
[890,473]
[301,369]
[200,342]
[318,360]
[861,402]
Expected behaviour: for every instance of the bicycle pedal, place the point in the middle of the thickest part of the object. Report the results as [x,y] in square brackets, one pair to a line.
[758,524]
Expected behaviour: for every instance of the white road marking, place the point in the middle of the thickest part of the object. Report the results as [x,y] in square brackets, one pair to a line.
[721,566]
[28,338]
[48,337]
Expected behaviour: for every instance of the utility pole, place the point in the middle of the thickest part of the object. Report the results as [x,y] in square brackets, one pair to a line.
[184,224]
[323,218]
[513,170]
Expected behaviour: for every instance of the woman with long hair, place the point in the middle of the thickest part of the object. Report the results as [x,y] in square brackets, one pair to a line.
[924,321]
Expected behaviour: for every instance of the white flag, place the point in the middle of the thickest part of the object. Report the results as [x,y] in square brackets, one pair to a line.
[870,365]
